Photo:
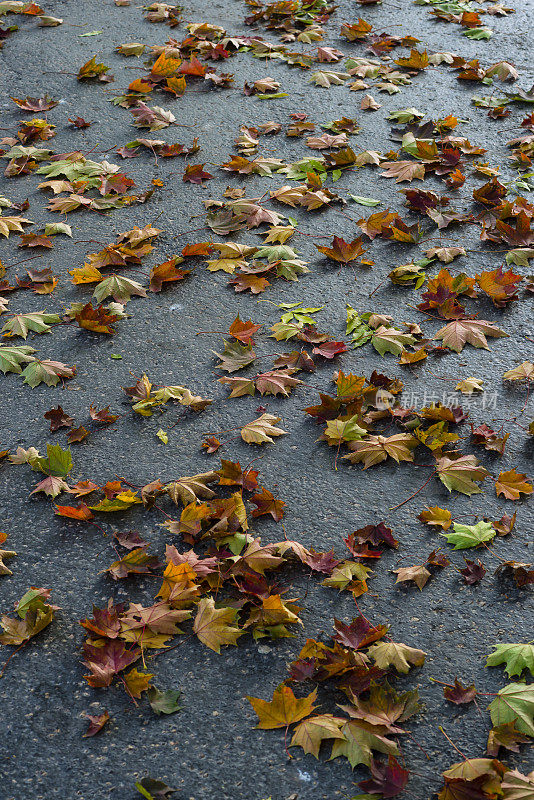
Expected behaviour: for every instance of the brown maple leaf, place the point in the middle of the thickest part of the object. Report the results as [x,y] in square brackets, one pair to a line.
[342,251]
[512,485]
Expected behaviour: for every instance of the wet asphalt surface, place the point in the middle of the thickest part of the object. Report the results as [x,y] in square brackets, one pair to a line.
[209,750]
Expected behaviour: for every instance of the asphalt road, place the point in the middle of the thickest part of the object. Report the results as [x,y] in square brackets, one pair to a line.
[210,750]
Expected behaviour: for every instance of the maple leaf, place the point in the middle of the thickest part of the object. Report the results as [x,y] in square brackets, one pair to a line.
[374,225]
[506,736]
[9,224]
[11,357]
[35,240]
[368,103]
[214,627]
[342,251]
[470,385]
[375,449]
[359,633]
[119,287]
[458,694]
[4,555]
[266,503]
[34,614]
[51,486]
[163,702]
[194,173]
[167,272]
[96,723]
[499,285]
[311,733]
[461,474]
[154,118]
[235,356]
[243,331]
[261,558]
[261,429]
[344,430]
[371,534]
[418,574]
[465,536]
[403,170]
[435,516]
[35,104]
[396,654]
[514,703]
[58,418]
[356,30]
[517,658]
[465,779]
[473,572]
[349,575]
[107,661]
[360,739]
[91,70]
[416,60]
[239,386]
[388,779]
[158,618]
[136,562]
[103,415]
[524,371]
[390,340]
[445,254]
[512,485]
[277,381]
[137,682]
[284,709]
[190,488]
[153,789]
[80,512]
[327,78]
[459,332]
[515,785]
[22,324]
[105,621]
[96,319]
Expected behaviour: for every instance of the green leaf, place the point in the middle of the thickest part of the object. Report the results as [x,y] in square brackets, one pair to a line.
[465,536]
[356,328]
[391,340]
[72,170]
[364,201]
[348,430]
[163,702]
[57,462]
[22,324]
[517,657]
[276,252]
[235,356]
[118,287]
[405,115]
[46,371]
[53,228]
[478,33]
[12,357]
[515,703]
[520,256]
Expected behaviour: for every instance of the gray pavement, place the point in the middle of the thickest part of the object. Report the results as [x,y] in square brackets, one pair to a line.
[209,750]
